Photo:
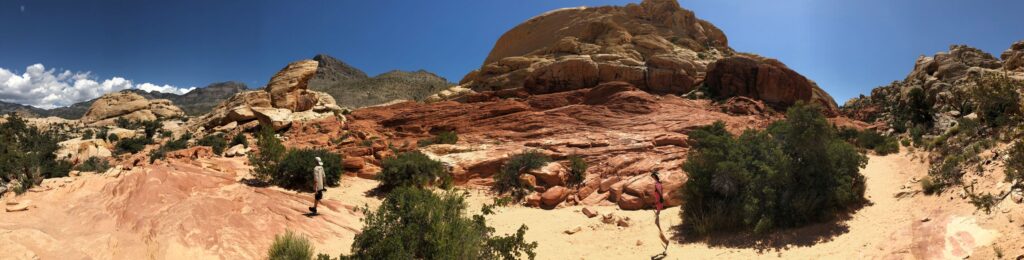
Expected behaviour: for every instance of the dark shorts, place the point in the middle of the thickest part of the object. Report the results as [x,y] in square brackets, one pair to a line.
[319,195]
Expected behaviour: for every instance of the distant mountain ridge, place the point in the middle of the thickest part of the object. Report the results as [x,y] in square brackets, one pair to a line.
[352,88]
[196,102]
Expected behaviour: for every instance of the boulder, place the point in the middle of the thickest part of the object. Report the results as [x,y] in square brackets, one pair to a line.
[573,230]
[530,180]
[533,200]
[278,118]
[589,212]
[286,87]
[23,206]
[552,174]
[627,201]
[764,79]
[553,196]
[236,151]
[353,163]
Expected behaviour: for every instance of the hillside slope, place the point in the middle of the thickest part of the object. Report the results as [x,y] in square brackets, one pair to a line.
[352,88]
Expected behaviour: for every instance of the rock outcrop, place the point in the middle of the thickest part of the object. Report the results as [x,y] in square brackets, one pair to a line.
[656,45]
[352,88]
[1013,58]
[284,100]
[937,88]
[765,79]
[622,132]
[130,106]
[77,150]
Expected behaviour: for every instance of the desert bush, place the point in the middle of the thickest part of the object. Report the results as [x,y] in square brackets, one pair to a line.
[170,146]
[214,141]
[93,164]
[113,138]
[507,179]
[87,135]
[151,127]
[1015,165]
[870,140]
[27,154]
[240,139]
[269,152]
[930,186]
[577,171]
[414,223]
[125,123]
[412,169]
[295,170]
[996,99]
[131,145]
[797,172]
[446,137]
[290,246]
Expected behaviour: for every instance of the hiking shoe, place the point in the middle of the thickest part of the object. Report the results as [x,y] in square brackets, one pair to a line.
[312,209]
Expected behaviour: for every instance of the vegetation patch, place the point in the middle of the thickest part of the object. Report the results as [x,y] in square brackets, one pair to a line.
[290,246]
[414,223]
[412,169]
[214,141]
[796,172]
[27,154]
[446,137]
[507,180]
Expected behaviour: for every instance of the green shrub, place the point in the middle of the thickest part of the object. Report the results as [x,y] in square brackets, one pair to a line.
[87,135]
[290,246]
[916,133]
[113,138]
[870,140]
[412,169]
[890,146]
[507,179]
[1015,165]
[151,128]
[269,152]
[240,139]
[214,141]
[295,171]
[446,137]
[125,123]
[414,223]
[930,186]
[28,154]
[797,172]
[996,99]
[132,145]
[93,164]
[577,171]
[101,134]
[177,144]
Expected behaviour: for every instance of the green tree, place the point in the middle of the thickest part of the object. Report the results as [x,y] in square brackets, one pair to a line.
[240,139]
[577,171]
[214,141]
[269,152]
[295,170]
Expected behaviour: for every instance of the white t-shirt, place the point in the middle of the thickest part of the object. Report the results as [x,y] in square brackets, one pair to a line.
[318,178]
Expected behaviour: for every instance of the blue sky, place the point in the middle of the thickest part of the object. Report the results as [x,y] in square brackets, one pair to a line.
[848,47]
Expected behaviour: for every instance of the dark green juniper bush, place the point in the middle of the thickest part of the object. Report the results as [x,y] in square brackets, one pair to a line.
[796,172]
[507,180]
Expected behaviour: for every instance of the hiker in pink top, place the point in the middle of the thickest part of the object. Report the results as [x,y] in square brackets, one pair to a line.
[659,204]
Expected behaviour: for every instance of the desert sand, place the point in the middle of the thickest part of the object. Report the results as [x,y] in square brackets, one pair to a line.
[200,210]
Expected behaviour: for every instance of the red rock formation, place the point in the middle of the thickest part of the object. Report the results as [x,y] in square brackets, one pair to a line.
[765,79]
[623,133]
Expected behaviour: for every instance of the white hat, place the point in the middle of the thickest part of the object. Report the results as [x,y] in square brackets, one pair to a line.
[318,161]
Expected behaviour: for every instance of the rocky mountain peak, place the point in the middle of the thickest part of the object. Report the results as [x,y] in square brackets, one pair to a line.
[332,69]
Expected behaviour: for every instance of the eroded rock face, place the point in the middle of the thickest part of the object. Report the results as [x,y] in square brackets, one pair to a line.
[655,45]
[622,132]
[765,79]
[284,100]
[1013,58]
[129,106]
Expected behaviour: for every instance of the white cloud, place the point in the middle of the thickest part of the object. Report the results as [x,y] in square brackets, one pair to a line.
[43,88]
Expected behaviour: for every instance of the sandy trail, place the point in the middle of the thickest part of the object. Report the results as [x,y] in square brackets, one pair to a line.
[887,228]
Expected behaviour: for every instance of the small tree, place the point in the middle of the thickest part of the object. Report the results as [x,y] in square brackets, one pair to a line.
[507,179]
[577,171]
[412,169]
[132,145]
[446,137]
[269,152]
[87,135]
[151,128]
[996,99]
[290,246]
[93,164]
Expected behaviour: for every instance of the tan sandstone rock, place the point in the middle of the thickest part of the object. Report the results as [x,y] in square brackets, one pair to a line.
[125,104]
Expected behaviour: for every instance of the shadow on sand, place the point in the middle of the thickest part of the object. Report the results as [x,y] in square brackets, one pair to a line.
[805,236]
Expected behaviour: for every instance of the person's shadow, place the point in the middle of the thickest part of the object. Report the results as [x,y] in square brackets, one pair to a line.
[311,214]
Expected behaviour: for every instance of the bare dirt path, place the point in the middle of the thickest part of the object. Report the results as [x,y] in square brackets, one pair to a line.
[888,228]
